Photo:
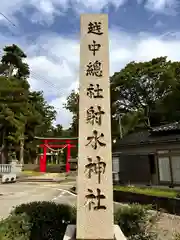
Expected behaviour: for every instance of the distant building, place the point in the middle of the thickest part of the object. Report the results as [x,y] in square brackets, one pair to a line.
[149,157]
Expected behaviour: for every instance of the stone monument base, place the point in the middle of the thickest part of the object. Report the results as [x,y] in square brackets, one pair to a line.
[70,233]
[8,178]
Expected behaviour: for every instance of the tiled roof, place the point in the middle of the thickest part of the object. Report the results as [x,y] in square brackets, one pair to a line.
[134,138]
[167,127]
[164,133]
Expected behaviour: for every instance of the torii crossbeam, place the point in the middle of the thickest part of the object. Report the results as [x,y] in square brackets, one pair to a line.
[52,143]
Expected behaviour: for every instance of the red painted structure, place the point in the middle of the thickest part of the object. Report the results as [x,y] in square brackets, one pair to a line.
[66,143]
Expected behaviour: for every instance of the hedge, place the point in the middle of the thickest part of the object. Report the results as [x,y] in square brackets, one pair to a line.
[15,227]
[169,205]
[135,222]
[48,220]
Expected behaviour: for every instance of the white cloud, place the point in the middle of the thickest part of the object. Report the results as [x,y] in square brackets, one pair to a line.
[142,47]
[63,116]
[54,60]
[45,10]
[159,24]
[163,6]
[57,79]
[55,70]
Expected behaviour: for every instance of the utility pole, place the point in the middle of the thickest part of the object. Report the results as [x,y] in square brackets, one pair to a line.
[10,71]
[22,149]
[120,127]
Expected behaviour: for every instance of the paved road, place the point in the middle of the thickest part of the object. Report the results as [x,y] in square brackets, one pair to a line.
[14,194]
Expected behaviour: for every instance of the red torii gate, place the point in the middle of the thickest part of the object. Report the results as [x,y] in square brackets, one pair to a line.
[49,142]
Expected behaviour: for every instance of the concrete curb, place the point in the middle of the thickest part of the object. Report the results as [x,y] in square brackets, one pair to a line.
[34,179]
[73,190]
[39,180]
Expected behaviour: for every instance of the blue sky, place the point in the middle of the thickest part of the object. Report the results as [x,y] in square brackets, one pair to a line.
[48,32]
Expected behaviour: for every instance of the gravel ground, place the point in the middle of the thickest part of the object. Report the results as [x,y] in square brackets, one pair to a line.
[167,226]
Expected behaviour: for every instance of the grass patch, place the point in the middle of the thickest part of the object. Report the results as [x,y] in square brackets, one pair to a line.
[54,164]
[148,191]
[32,173]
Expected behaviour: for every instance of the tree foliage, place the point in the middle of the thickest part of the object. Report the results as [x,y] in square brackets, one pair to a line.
[72,104]
[37,220]
[12,63]
[23,113]
[144,94]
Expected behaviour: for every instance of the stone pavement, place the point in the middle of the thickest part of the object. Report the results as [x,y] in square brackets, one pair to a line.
[68,197]
[16,193]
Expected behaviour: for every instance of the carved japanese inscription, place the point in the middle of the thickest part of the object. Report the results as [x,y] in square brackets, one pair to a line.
[94,115]
[95,196]
[94,47]
[95,28]
[94,91]
[94,69]
[94,201]
[96,167]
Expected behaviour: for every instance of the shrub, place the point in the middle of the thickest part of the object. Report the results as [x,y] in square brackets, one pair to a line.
[136,222]
[48,220]
[177,236]
[15,227]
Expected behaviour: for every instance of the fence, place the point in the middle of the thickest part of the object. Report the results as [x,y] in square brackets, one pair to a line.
[14,167]
[5,168]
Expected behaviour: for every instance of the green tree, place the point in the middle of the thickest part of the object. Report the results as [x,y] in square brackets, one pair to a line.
[145,94]
[42,114]
[57,131]
[141,89]
[23,113]
[12,63]
[39,122]
[72,104]
[14,94]
[13,108]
